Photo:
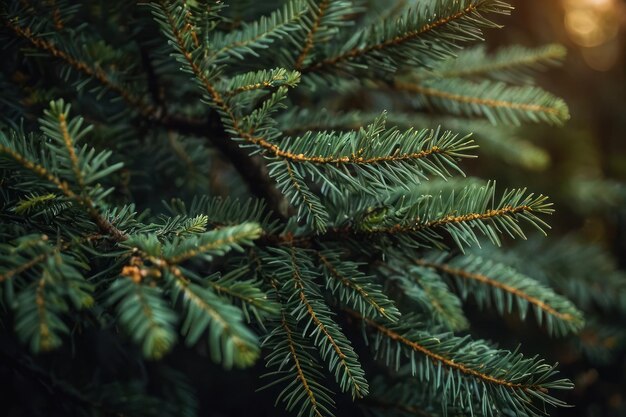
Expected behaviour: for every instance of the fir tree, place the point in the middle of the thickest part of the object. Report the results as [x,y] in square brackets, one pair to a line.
[197,173]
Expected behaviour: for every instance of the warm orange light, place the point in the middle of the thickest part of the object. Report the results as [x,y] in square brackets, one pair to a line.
[589,27]
[594,25]
[588,4]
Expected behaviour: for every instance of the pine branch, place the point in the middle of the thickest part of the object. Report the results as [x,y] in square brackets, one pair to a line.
[255,172]
[238,127]
[387,44]
[495,141]
[289,353]
[258,34]
[95,73]
[235,124]
[35,168]
[513,64]
[373,155]
[497,102]
[354,288]
[16,152]
[250,169]
[209,244]
[68,140]
[50,285]
[231,342]
[369,147]
[428,291]
[291,183]
[461,213]
[491,282]
[36,308]
[352,199]
[10,273]
[319,11]
[28,260]
[334,347]
[260,80]
[143,313]
[498,379]
[248,292]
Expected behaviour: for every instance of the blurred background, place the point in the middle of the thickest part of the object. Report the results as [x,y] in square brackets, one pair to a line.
[584,171]
[587,157]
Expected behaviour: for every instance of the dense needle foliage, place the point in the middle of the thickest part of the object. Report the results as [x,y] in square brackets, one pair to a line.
[258,180]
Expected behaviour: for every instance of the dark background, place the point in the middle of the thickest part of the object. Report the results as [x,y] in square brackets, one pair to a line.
[588,166]
[591,146]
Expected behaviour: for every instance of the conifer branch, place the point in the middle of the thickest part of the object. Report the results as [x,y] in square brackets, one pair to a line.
[415,27]
[259,33]
[24,267]
[37,315]
[487,280]
[288,353]
[245,351]
[359,204]
[69,144]
[348,283]
[81,66]
[232,120]
[503,211]
[429,91]
[484,279]
[507,63]
[435,357]
[495,101]
[361,291]
[42,257]
[250,169]
[301,192]
[246,292]
[232,343]
[144,313]
[39,171]
[217,241]
[494,378]
[300,373]
[429,291]
[397,40]
[310,37]
[104,225]
[255,172]
[355,381]
[452,219]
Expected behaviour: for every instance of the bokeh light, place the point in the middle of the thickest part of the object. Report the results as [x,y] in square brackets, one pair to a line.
[594,25]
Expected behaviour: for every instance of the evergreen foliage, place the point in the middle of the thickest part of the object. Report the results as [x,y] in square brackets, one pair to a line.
[214,195]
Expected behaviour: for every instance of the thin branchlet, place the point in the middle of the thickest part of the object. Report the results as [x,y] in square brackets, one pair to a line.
[460,98]
[397,40]
[484,279]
